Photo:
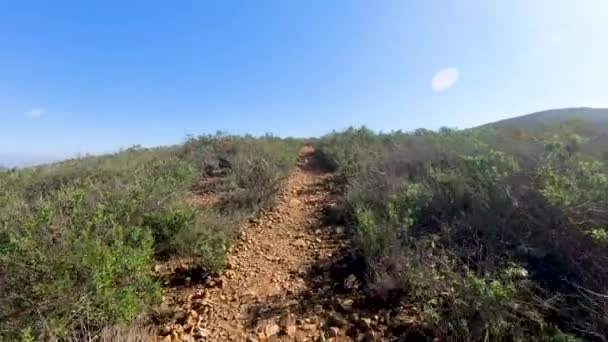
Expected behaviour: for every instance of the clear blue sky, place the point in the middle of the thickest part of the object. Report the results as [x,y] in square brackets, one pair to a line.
[94,76]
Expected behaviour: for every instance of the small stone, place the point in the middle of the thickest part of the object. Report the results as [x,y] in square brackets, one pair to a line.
[400,320]
[287,323]
[309,327]
[347,305]
[251,293]
[339,230]
[367,322]
[351,283]
[179,317]
[204,332]
[299,243]
[336,320]
[318,231]
[164,330]
[271,258]
[158,268]
[334,331]
[176,335]
[271,330]
[200,304]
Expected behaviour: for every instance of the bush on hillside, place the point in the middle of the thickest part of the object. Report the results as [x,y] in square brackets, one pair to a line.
[78,238]
[488,244]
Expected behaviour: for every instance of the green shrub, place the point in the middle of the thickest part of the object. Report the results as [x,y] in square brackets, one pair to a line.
[446,219]
[78,238]
[165,225]
[68,258]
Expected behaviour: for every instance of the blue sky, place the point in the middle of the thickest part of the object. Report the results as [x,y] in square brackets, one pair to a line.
[95,76]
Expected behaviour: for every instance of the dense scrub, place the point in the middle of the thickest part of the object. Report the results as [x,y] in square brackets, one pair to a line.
[78,238]
[490,233]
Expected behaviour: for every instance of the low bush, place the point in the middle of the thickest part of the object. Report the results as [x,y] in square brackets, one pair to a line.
[487,243]
[78,238]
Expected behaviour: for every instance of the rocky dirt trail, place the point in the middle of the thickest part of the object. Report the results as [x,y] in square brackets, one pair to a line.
[288,277]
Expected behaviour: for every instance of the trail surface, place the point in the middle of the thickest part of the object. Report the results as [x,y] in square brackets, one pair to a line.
[286,279]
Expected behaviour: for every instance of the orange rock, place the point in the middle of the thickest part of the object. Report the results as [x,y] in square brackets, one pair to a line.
[288,324]
[271,330]
[300,243]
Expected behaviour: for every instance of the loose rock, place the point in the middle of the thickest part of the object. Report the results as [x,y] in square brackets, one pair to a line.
[271,270]
[288,324]
[336,320]
[347,305]
[271,330]
[300,243]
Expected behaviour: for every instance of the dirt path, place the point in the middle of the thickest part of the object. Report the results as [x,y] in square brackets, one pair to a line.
[268,270]
[288,278]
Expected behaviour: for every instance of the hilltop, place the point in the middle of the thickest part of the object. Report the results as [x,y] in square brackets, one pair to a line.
[596,117]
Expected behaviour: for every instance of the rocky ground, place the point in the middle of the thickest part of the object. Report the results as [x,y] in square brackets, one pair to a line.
[287,279]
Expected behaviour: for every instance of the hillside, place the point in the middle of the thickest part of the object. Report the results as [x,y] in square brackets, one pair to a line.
[499,232]
[596,117]
[84,234]
[523,133]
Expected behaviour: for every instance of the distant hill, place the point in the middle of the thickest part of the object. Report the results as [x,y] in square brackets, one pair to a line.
[591,123]
[596,117]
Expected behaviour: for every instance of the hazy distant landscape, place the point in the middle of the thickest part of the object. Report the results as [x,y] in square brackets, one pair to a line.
[23,159]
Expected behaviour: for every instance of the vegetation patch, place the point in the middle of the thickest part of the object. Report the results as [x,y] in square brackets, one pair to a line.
[78,238]
[492,233]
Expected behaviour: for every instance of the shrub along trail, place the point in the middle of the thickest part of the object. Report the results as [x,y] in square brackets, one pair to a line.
[287,278]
